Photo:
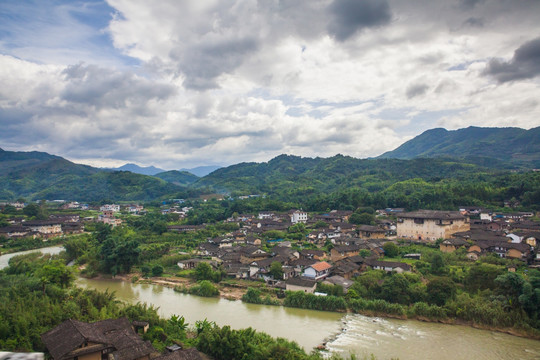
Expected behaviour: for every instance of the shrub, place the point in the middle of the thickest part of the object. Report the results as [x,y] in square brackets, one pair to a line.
[204,288]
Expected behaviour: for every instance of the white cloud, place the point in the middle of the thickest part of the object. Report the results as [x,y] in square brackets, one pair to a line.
[229,81]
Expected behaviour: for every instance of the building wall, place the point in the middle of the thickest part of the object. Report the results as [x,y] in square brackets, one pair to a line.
[92,356]
[336,256]
[447,248]
[290,287]
[514,254]
[430,230]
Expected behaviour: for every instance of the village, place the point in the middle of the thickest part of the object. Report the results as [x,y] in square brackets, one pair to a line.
[333,250]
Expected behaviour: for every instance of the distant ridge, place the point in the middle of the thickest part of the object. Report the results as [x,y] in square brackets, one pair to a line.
[201,171]
[515,145]
[136,169]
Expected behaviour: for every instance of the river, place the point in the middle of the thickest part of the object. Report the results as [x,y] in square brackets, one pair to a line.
[347,333]
[350,333]
[4,259]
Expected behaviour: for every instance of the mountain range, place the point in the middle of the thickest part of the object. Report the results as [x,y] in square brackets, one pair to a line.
[432,156]
[514,145]
[198,171]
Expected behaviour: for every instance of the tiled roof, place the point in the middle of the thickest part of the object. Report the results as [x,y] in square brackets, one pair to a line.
[321,266]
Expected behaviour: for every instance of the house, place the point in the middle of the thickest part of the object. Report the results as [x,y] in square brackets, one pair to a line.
[452,244]
[318,271]
[135,209]
[110,221]
[180,354]
[260,268]
[46,228]
[371,232]
[312,254]
[503,249]
[298,216]
[301,284]
[339,280]
[182,228]
[248,254]
[300,264]
[430,225]
[106,339]
[192,263]
[65,218]
[389,266]
[265,215]
[343,251]
[111,207]
[253,240]
[347,268]
[208,249]
[15,231]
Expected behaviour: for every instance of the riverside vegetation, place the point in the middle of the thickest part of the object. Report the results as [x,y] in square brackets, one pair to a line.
[38,294]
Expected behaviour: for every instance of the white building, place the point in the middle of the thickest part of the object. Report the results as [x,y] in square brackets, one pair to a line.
[110,207]
[298,216]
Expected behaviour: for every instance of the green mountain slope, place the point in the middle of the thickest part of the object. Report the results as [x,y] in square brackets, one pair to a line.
[287,172]
[181,178]
[35,175]
[515,145]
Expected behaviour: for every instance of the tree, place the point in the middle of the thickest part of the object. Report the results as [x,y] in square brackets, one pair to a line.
[32,210]
[145,269]
[157,270]
[320,224]
[75,248]
[10,209]
[395,288]
[440,290]
[276,270]
[178,322]
[362,219]
[437,264]
[203,271]
[482,276]
[55,272]
[391,249]
[510,286]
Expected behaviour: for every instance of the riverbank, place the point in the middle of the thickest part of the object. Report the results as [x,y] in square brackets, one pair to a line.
[235,291]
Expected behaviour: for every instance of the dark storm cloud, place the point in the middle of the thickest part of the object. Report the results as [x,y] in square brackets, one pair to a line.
[416,90]
[351,16]
[202,65]
[469,4]
[104,88]
[474,22]
[524,65]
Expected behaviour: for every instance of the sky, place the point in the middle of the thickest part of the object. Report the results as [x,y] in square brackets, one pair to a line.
[214,82]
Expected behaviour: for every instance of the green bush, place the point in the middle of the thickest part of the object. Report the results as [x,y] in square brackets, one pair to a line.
[204,288]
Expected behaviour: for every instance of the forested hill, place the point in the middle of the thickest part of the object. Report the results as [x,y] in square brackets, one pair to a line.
[182,178]
[343,182]
[329,174]
[519,146]
[38,175]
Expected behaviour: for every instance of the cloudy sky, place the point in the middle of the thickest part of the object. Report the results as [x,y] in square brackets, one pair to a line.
[185,83]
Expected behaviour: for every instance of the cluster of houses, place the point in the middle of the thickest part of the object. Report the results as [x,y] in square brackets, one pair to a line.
[56,225]
[241,254]
[181,211]
[357,248]
[64,223]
